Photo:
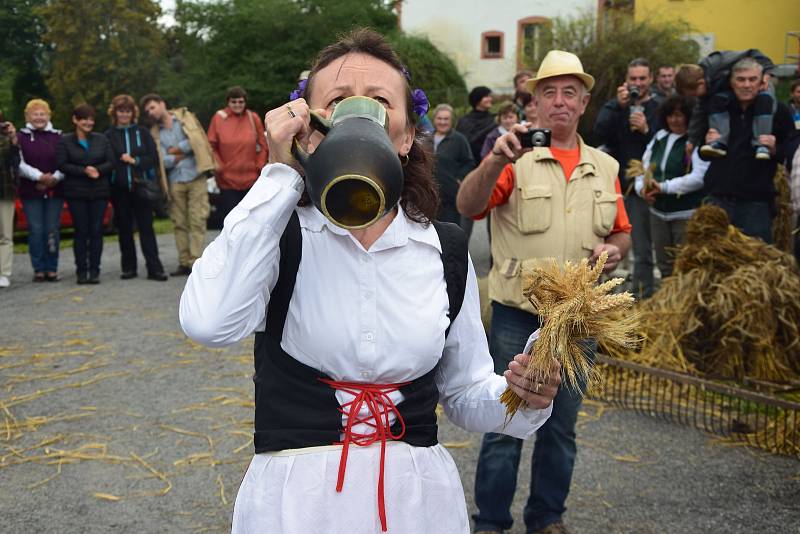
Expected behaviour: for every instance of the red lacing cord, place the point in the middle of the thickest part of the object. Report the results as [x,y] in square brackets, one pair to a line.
[376,398]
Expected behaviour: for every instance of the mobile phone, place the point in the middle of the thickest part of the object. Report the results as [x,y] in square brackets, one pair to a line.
[535,137]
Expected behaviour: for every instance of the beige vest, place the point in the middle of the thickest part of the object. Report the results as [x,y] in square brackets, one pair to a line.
[546,216]
[201,149]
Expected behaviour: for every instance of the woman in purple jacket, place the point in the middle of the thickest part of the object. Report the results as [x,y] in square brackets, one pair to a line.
[40,189]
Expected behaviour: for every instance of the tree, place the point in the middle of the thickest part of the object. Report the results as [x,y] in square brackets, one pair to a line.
[431,70]
[23,54]
[606,57]
[100,49]
[264,46]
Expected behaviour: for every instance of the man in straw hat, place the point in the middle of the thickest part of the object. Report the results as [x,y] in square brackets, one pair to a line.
[561,201]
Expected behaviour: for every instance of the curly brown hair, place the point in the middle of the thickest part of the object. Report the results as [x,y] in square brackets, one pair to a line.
[123,102]
[420,196]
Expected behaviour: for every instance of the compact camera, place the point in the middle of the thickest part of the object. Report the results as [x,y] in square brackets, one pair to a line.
[535,137]
[633,93]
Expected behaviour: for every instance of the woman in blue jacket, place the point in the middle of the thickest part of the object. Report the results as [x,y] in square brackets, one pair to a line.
[135,158]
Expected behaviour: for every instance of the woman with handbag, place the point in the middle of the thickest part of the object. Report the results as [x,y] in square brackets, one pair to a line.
[133,187]
[236,135]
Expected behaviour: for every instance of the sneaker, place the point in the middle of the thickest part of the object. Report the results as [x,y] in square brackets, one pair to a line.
[182,270]
[713,150]
[127,275]
[762,153]
[553,528]
[4,281]
[158,277]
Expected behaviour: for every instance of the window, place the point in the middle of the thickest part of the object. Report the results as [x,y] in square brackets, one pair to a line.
[492,45]
[532,41]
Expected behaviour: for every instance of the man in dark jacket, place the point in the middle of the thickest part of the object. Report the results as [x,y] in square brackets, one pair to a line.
[739,183]
[709,82]
[624,126]
[453,161]
[477,124]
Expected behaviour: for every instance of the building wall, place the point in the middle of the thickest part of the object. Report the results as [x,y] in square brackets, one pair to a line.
[733,24]
[456,26]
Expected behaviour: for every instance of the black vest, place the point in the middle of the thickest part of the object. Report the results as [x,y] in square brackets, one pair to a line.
[293,408]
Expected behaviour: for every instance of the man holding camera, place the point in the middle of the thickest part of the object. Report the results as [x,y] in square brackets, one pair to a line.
[624,126]
[559,201]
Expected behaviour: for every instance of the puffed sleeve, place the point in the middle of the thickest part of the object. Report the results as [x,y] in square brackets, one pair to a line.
[469,388]
[226,296]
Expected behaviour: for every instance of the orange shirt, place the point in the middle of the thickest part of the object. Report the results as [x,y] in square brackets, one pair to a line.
[568,159]
[233,139]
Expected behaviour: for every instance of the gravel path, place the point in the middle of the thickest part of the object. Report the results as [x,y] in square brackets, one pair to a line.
[112,421]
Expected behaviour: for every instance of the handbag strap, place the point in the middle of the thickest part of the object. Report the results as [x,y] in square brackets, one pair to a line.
[253,126]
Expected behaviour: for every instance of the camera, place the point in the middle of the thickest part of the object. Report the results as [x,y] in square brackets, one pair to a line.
[535,137]
[633,93]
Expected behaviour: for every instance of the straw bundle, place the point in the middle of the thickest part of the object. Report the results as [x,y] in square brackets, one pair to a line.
[636,168]
[782,226]
[572,308]
[731,310]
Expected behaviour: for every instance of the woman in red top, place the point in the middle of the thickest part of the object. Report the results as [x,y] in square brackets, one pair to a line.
[237,138]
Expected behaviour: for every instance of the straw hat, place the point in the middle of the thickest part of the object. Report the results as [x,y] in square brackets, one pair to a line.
[560,63]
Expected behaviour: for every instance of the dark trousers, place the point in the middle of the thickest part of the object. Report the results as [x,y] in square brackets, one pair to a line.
[228,199]
[87,218]
[639,215]
[752,217]
[764,107]
[553,453]
[127,206]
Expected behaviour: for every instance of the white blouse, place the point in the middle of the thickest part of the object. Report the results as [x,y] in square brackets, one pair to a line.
[373,316]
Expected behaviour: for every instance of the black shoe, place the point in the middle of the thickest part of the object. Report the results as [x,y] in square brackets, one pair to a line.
[158,277]
[82,278]
[39,277]
[182,270]
[127,275]
[94,278]
[52,277]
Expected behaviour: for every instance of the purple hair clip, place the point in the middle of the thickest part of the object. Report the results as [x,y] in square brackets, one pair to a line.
[420,101]
[418,97]
[301,88]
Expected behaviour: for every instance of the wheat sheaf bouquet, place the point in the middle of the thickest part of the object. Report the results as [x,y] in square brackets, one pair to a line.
[573,308]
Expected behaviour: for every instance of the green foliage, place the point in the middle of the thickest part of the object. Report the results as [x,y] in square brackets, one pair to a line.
[262,46]
[606,57]
[431,70]
[22,57]
[100,49]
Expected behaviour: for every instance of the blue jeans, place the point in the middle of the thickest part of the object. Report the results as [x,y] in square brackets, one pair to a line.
[753,218]
[87,216]
[553,453]
[44,226]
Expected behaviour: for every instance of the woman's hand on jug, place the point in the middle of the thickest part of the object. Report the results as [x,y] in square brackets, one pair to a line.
[283,125]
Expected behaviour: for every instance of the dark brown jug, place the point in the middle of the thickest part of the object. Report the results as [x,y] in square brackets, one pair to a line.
[354,177]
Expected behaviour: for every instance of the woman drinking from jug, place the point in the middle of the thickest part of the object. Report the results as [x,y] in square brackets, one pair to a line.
[358,329]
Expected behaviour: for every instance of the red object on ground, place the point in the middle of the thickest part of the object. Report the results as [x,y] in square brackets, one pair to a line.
[21,223]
